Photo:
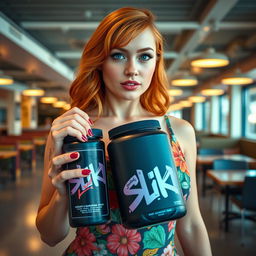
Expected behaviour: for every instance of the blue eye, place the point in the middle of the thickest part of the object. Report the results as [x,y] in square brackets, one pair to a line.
[117,56]
[145,57]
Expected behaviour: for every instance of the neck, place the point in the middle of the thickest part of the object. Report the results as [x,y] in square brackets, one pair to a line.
[123,109]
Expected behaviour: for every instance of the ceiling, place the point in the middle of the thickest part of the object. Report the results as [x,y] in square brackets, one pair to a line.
[62,28]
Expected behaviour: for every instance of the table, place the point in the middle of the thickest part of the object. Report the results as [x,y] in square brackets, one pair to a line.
[6,154]
[226,179]
[208,160]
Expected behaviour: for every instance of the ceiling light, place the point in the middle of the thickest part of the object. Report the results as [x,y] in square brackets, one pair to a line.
[48,100]
[196,99]
[175,107]
[175,92]
[212,92]
[59,104]
[185,80]
[237,78]
[4,79]
[186,103]
[210,59]
[33,92]
[66,107]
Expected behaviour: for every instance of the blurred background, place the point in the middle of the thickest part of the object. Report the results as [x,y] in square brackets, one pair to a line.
[210,59]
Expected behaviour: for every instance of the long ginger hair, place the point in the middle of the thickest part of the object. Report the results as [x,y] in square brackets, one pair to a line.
[115,31]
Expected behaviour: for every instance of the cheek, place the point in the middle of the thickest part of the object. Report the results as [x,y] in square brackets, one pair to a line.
[111,72]
[149,72]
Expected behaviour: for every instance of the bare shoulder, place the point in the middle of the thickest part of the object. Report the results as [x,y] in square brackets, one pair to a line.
[181,126]
[184,133]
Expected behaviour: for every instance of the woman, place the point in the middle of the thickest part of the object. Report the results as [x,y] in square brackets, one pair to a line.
[121,79]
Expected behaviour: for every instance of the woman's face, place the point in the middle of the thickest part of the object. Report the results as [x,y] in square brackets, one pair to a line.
[127,71]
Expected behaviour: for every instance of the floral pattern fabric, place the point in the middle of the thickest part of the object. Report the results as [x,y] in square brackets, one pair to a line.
[114,239]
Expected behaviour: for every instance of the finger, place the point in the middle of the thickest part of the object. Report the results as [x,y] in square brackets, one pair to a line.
[74,124]
[81,120]
[59,135]
[63,176]
[65,158]
[78,111]
[59,160]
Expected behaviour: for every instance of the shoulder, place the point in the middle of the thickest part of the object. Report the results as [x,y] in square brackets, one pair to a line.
[184,132]
[181,126]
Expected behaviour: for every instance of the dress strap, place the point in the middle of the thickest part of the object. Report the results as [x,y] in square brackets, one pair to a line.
[168,123]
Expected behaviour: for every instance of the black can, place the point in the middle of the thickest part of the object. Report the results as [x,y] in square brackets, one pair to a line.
[88,196]
[145,174]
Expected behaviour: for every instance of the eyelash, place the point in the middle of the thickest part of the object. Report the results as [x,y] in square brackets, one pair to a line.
[114,56]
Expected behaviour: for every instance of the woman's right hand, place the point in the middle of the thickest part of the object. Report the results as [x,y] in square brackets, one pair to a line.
[76,123]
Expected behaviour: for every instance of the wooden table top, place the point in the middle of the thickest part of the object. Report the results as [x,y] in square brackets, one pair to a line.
[8,154]
[230,177]
[39,142]
[208,159]
[25,147]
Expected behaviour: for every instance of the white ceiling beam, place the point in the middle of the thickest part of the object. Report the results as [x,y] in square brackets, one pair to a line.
[162,26]
[236,25]
[214,13]
[21,39]
[69,54]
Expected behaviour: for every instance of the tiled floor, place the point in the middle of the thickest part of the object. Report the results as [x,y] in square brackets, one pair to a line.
[18,235]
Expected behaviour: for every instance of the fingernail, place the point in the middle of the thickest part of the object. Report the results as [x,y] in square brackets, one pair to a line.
[84,138]
[86,171]
[90,121]
[74,155]
[90,132]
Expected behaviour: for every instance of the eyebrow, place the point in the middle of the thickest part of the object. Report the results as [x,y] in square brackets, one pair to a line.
[140,50]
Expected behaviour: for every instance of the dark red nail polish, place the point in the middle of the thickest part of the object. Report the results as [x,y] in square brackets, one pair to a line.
[84,138]
[90,132]
[86,171]
[73,155]
[90,121]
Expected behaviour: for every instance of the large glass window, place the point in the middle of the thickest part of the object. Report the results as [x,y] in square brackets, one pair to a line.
[250,112]
[176,113]
[224,114]
[206,115]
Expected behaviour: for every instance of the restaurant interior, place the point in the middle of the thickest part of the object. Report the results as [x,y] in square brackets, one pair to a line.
[210,60]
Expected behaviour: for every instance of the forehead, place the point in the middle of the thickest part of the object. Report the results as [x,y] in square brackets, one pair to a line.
[144,40]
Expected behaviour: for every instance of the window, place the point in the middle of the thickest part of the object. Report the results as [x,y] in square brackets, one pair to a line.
[3,116]
[206,115]
[176,113]
[250,112]
[224,114]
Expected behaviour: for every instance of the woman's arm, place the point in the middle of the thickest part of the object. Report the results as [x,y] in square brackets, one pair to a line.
[52,216]
[191,229]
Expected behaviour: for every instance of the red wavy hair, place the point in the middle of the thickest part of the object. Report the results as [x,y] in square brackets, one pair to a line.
[116,30]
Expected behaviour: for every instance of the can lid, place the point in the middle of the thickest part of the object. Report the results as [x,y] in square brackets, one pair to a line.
[97,134]
[134,127]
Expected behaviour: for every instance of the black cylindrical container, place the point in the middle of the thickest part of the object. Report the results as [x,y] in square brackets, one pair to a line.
[145,174]
[88,197]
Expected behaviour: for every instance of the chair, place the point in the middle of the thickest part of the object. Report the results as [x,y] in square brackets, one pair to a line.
[226,164]
[210,151]
[205,167]
[247,200]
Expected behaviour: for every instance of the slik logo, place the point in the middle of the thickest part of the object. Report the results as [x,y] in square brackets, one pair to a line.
[159,185]
[82,185]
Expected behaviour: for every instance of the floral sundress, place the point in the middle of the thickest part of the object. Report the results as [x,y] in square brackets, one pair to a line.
[114,239]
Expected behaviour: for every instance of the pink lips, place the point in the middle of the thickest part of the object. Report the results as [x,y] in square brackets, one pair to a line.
[130,85]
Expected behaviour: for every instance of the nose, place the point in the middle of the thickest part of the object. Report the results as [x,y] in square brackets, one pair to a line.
[131,69]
